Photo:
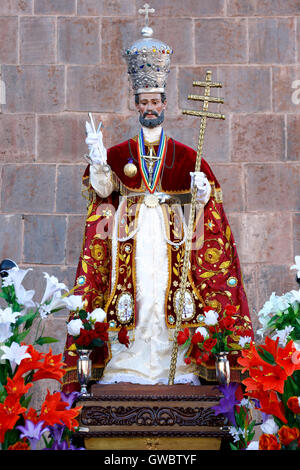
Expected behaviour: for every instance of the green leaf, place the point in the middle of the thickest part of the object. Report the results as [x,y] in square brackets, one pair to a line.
[19,337]
[266,356]
[45,340]
[97,342]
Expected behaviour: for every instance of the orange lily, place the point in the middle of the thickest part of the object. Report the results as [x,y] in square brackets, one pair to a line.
[54,412]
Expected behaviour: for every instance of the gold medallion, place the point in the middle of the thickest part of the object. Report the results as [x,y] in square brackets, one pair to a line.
[130,170]
[151,200]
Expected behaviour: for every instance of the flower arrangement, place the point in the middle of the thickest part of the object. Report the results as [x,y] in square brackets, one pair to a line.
[214,336]
[88,329]
[273,368]
[22,365]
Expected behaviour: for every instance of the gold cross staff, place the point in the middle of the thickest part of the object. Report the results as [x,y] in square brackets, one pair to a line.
[207,84]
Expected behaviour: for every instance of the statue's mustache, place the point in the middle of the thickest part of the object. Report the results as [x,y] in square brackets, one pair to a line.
[153,113]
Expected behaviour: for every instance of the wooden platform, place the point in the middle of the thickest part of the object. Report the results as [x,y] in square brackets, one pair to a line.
[162,417]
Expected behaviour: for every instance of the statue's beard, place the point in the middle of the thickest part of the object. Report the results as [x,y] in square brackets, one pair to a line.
[152,122]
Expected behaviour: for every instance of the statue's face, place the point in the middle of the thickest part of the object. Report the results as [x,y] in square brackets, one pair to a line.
[151,109]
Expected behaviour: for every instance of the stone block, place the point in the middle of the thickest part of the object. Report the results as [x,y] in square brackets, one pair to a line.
[257,137]
[28,188]
[293,133]
[34,88]
[55,7]
[219,41]
[116,35]
[271,40]
[11,234]
[17,136]
[285,86]
[78,40]
[266,238]
[265,8]
[272,186]
[230,177]
[191,8]
[186,76]
[96,8]
[250,284]
[37,40]
[44,239]
[16,7]
[296,234]
[61,138]
[96,88]
[75,233]
[246,89]
[69,199]
[8,40]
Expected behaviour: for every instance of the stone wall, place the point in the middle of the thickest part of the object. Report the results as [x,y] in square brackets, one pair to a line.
[61,59]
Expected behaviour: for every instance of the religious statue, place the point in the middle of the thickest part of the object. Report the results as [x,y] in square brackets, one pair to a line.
[135,236]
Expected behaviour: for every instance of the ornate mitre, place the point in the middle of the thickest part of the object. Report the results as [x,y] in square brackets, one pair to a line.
[148,60]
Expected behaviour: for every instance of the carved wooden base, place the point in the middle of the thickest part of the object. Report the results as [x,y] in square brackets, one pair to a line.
[168,417]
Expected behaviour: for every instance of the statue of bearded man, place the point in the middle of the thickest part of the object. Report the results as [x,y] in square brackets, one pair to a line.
[134,241]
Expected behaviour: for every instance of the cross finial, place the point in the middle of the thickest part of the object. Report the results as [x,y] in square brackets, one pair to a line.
[146,10]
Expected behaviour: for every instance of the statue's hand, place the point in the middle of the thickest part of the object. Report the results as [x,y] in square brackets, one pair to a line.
[94,140]
[199,179]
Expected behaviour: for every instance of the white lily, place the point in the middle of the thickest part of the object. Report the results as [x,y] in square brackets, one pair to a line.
[8,316]
[15,277]
[295,296]
[244,340]
[296,265]
[52,286]
[283,335]
[5,332]
[15,354]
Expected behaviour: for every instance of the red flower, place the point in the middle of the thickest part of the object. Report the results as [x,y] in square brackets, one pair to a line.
[123,336]
[286,358]
[187,360]
[197,338]
[268,442]
[293,404]
[20,445]
[270,404]
[230,310]
[209,344]
[85,338]
[101,329]
[29,364]
[183,336]
[54,411]
[50,368]
[10,411]
[287,435]
[227,323]
[16,387]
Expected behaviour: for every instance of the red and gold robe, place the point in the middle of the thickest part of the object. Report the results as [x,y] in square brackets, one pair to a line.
[214,278]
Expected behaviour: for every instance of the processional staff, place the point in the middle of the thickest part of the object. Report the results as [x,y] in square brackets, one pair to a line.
[204,114]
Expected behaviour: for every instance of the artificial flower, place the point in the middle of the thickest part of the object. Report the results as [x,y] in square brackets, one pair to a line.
[54,411]
[8,316]
[15,353]
[50,368]
[183,336]
[73,302]
[296,265]
[244,340]
[52,286]
[74,326]
[283,335]
[123,336]
[269,426]
[209,344]
[211,318]
[101,330]
[287,435]
[5,332]
[16,387]
[230,309]
[20,445]
[97,315]
[228,402]
[203,331]
[293,404]
[268,442]
[197,338]
[32,431]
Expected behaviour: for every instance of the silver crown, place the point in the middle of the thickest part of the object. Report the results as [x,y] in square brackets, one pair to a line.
[148,60]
